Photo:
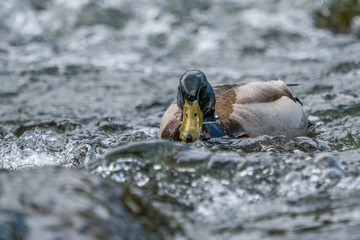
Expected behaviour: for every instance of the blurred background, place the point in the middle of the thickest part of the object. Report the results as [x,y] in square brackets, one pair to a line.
[99,59]
[78,79]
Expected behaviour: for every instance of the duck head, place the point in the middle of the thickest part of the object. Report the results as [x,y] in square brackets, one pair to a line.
[196,99]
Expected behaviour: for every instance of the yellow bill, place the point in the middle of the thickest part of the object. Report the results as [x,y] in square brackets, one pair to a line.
[192,122]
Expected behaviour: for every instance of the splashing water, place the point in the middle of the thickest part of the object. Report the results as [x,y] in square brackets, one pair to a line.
[84,85]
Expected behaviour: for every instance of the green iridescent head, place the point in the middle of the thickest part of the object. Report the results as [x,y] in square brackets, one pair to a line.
[196,99]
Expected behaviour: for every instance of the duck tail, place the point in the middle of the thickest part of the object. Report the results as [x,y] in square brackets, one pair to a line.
[293,85]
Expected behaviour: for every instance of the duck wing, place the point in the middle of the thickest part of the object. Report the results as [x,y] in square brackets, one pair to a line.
[259,108]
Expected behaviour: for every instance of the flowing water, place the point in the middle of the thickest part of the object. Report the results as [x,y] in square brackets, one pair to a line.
[84,84]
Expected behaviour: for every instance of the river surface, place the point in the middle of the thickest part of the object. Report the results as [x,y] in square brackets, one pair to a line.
[84,84]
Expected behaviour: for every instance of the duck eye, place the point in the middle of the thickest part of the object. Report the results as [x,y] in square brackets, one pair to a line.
[205,86]
[186,115]
[195,115]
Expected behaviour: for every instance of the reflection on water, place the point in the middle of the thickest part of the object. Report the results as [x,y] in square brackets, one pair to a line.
[84,85]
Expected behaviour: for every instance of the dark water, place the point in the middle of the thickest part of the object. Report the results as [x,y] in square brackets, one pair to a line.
[84,84]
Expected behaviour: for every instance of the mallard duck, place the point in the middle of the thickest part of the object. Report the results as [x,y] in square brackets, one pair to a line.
[202,111]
